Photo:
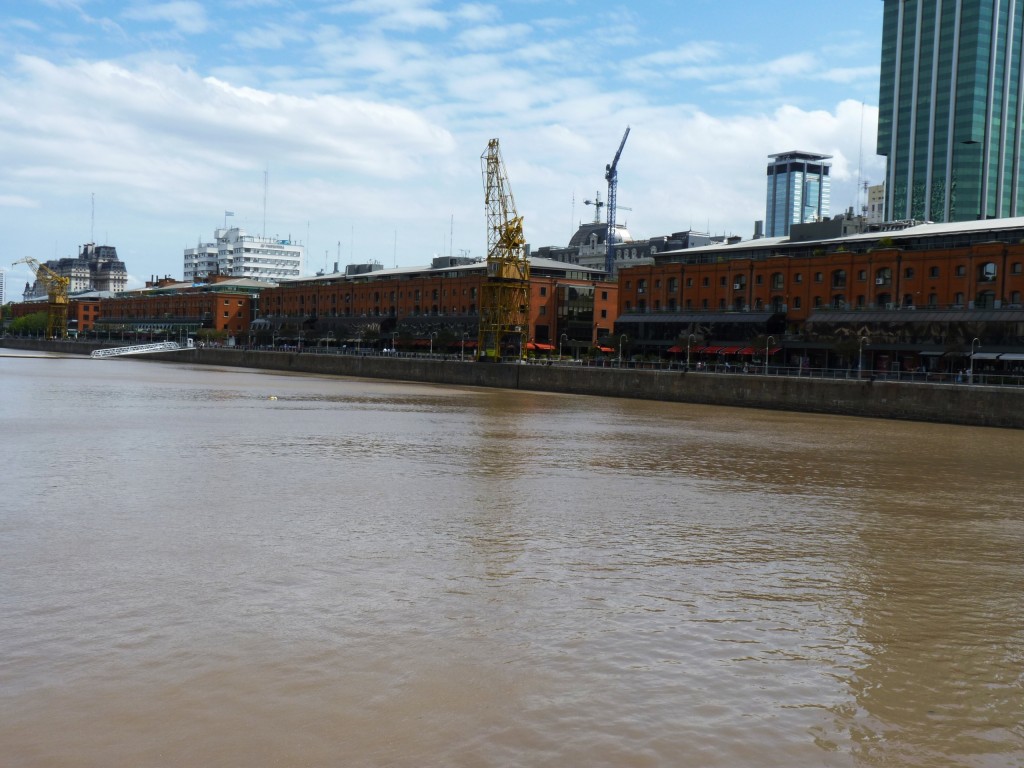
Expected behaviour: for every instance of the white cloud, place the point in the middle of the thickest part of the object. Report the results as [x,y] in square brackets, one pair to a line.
[477,13]
[395,15]
[847,75]
[681,168]
[370,134]
[486,38]
[690,53]
[186,16]
[17,201]
[161,140]
[22,24]
[271,37]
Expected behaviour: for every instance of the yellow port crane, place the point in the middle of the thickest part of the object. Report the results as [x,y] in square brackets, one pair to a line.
[57,293]
[505,294]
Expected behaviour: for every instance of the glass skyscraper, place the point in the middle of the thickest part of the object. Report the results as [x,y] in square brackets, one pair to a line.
[799,191]
[950,108]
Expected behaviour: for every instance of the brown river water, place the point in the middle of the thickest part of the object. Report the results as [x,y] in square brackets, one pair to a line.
[367,573]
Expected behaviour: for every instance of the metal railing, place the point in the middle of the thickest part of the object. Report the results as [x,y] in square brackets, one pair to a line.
[137,349]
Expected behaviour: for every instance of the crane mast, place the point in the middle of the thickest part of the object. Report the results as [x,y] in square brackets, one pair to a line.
[57,295]
[611,175]
[505,294]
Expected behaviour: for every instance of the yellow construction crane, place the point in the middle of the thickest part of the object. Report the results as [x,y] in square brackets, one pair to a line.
[57,293]
[505,294]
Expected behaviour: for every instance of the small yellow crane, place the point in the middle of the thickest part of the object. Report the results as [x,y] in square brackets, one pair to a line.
[505,294]
[57,293]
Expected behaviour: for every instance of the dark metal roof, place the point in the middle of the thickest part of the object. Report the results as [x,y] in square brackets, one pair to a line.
[697,317]
[906,316]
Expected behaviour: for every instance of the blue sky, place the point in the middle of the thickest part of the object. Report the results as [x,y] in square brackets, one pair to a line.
[138,124]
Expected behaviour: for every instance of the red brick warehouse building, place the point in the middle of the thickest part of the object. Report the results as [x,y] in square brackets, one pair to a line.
[922,289]
[367,304]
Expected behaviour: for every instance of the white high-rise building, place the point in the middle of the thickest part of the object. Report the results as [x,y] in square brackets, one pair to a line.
[875,211]
[2,284]
[234,253]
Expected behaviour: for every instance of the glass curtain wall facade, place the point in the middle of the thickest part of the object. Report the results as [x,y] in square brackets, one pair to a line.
[950,108]
[799,190]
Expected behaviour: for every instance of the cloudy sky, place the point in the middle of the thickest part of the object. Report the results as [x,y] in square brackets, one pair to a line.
[356,126]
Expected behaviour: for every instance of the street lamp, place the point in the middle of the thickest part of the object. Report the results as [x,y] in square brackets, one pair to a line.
[433,335]
[689,340]
[462,356]
[767,348]
[622,343]
[564,337]
[970,375]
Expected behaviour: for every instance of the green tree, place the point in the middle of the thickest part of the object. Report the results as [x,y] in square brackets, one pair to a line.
[211,334]
[30,324]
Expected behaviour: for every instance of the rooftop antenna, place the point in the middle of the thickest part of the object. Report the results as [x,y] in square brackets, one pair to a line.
[266,175]
[860,154]
[598,205]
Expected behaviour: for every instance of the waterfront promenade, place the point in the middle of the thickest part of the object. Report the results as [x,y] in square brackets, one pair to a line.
[916,400]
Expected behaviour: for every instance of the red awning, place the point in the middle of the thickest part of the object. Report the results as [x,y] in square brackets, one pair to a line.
[709,349]
[675,350]
[728,350]
[540,347]
[746,351]
[605,349]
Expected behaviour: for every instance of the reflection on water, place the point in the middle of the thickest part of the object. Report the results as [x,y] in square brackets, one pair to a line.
[372,573]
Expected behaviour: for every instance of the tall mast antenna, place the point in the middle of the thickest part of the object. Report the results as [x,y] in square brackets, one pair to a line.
[860,158]
[266,175]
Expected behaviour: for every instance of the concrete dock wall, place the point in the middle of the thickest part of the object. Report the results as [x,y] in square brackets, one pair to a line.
[943,403]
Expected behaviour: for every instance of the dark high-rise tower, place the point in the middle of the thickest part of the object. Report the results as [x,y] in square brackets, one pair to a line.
[950,107]
[799,190]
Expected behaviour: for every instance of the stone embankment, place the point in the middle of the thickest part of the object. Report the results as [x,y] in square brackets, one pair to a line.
[916,401]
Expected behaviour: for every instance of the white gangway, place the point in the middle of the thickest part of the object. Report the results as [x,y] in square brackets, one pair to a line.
[141,349]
